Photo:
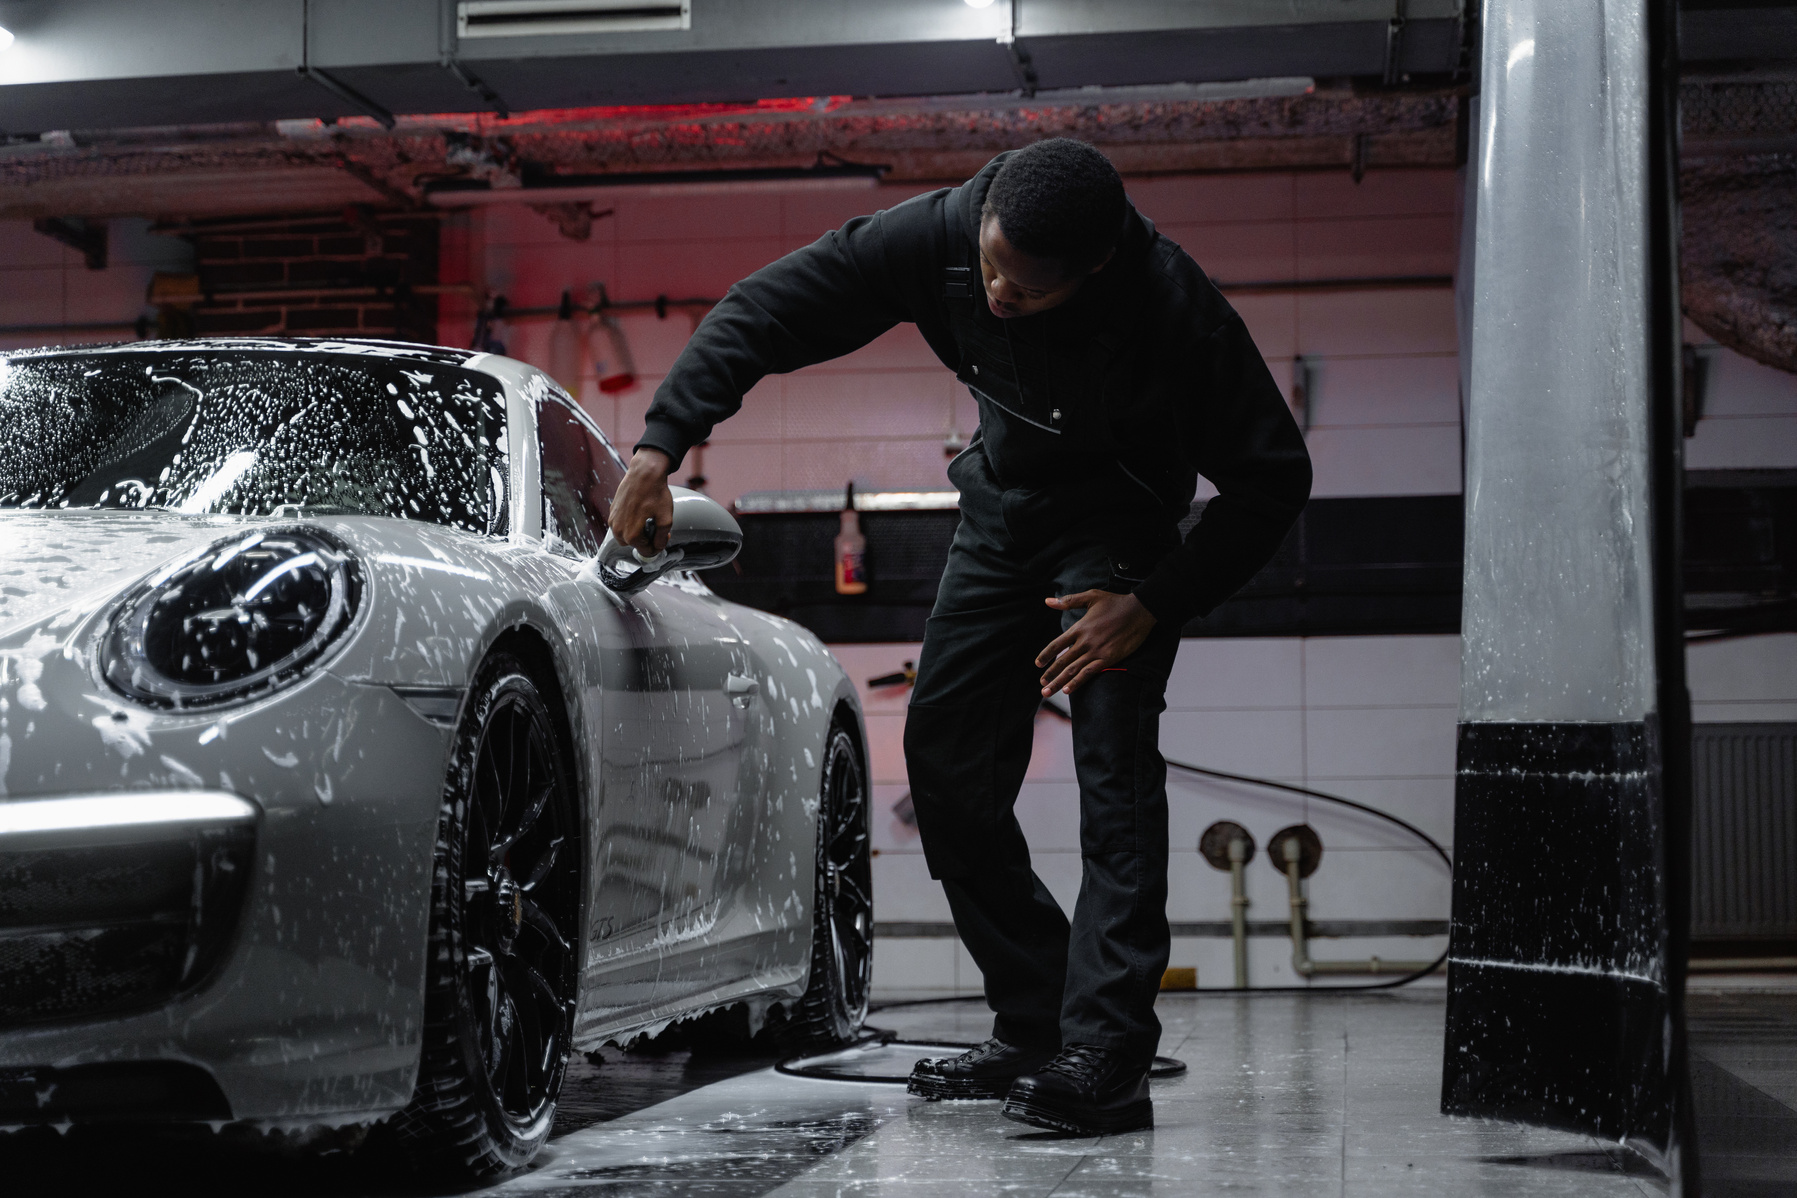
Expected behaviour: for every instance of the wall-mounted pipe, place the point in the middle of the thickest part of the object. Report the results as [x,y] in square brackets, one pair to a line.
[1292,849]
[1238,907]
[1228,845]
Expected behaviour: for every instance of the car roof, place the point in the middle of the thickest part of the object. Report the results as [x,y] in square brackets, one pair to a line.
[410,351]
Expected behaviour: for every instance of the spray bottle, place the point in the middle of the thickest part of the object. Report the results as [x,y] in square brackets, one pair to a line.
[851,550]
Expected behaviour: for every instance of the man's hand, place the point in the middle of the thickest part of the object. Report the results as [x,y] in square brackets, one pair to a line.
[1113,627]
[643,494]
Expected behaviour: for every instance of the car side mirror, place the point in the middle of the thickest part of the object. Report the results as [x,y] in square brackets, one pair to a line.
[704,536]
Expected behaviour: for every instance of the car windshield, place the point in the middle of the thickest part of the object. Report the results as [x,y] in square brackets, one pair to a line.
[253,433]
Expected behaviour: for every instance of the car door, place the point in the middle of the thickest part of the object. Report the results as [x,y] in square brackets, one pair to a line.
[672,827]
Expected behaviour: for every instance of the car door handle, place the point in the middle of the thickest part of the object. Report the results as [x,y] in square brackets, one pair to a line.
[741,688]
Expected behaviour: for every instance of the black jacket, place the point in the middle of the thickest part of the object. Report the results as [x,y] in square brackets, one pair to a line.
[1112,402]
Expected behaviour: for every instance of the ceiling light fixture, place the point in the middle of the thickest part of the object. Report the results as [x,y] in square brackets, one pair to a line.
[5,37]
[979,3]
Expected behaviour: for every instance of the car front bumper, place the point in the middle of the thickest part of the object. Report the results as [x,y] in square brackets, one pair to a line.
[275,942]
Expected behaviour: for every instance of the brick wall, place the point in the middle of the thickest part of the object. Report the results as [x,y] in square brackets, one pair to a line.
[353,274]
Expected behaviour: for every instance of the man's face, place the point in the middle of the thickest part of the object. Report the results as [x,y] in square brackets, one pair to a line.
[1019,284]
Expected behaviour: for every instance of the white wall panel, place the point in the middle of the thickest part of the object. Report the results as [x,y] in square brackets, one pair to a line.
[1756,668]
[1377,323]
[904,890]
[1380,742]
[1743,442]
[681,218]
[760,422]
[862,405]
[1267,744]
[905,966]
[1246,252]
[1374,247]
[22,246]
[1334,195]
[1736,385]
[1744,712]
[1215,199]
[1382,670]
[32,294]
[1356,392]
[1237,674]
[1417,459]
[1427,802]
[1048,812]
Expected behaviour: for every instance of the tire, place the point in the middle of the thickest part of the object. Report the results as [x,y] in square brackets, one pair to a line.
[501,971]
[835,1000]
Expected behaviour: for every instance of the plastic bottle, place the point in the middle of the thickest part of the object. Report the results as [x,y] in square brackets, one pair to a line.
[619,371]
[851,550]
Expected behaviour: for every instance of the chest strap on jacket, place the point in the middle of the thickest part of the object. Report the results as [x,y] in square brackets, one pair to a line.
[957,282]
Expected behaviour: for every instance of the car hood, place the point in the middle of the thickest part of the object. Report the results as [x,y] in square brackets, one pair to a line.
[50,561]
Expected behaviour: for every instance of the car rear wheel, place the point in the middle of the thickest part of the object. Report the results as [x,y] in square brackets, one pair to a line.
[501,973]
[835,1001]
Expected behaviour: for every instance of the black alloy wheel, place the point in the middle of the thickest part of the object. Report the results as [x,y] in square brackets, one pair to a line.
[835,1001]
[503,970]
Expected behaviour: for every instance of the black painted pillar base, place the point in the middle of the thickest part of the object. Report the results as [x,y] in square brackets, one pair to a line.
[1558,1005]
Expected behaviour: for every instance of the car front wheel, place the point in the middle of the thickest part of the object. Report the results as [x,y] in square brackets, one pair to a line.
[502,973]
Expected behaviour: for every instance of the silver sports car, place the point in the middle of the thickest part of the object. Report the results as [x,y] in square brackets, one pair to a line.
[351,775]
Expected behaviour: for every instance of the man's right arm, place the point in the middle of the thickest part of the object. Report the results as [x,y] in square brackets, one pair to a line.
[818,303]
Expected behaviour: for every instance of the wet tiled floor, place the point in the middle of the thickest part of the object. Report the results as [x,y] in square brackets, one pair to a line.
[1284,1094]
[1744,1084]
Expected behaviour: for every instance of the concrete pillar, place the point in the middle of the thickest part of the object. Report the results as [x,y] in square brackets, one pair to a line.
[1565,967]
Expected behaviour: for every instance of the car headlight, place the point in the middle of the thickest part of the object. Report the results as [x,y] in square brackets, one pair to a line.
[247,617]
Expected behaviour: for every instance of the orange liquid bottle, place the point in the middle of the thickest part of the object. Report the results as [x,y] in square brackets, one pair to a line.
[851,551]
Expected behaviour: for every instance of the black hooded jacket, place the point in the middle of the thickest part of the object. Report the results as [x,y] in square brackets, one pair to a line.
[1105,408]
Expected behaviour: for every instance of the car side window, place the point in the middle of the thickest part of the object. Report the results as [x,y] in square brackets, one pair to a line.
[581,473]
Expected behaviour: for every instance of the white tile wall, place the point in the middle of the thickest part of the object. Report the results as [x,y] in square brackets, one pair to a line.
[1750,414]
[1370,718]
[1750,421]
[1384,394]
[1752,679]
[44,283]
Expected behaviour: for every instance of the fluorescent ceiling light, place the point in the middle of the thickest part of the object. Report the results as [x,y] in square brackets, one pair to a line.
[5,37]
[979,3]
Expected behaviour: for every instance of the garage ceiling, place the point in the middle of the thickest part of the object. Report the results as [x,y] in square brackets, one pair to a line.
[95,64]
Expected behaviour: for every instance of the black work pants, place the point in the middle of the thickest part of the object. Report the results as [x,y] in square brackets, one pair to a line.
[967,746]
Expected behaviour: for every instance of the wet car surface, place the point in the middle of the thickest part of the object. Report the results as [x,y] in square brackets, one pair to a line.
[341,786]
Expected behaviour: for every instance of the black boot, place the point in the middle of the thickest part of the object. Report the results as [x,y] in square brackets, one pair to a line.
[1086,1090]
[985,1071]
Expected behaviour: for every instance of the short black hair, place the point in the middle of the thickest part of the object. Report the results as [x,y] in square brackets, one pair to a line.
[1059,199]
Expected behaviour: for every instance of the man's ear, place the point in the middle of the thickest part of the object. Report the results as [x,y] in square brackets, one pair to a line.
[1105,263]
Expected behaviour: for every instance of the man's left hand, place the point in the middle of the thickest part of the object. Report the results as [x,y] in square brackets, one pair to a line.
[1113,627]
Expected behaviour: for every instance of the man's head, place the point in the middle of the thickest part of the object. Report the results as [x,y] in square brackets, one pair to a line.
[1050,222]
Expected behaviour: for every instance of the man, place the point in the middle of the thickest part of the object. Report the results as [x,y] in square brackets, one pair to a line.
[1109,374]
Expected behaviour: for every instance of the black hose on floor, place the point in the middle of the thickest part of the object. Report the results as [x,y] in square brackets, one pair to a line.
[884,1037]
